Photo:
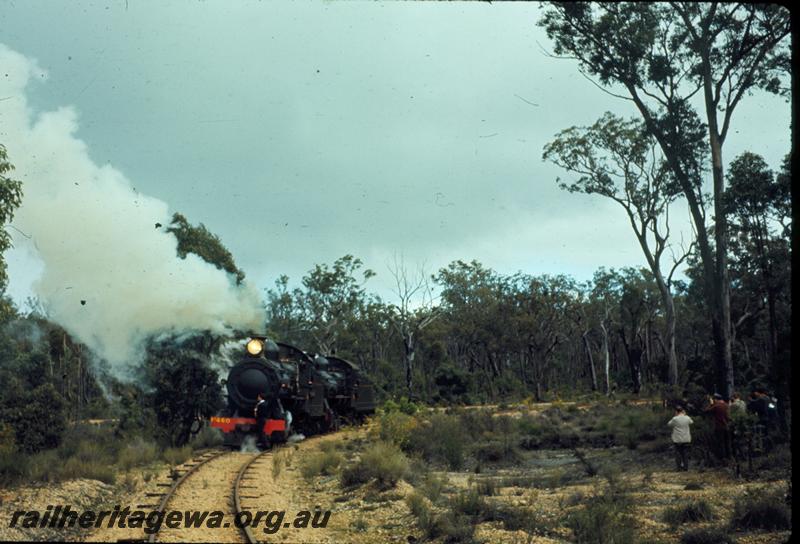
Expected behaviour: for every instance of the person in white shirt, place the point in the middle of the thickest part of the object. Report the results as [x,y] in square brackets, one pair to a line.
[681,437]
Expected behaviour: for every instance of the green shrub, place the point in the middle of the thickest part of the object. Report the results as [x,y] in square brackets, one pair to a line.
[45,467]
[330,446]
[519,518]
[469,503]
[573,499]
[486,487]
[766,511]
[401,405]
[519,480]
[383,462]
[76,467]
[441,438]
[8,442]
[397,428]
[138,453]
[605,519]
[324,463]
[14,467]
[530,425]
[416,504]
[424,517]
[359,524]
[432,487]
[42,424]
[208,437]
[496,451]
[177,456]
[706,536]
[449,526]
[355,474]
[694,511]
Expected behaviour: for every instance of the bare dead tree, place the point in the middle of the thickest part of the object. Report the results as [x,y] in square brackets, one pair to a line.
[415,309]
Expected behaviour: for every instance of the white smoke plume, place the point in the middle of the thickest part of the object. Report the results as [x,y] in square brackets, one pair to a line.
[110,277]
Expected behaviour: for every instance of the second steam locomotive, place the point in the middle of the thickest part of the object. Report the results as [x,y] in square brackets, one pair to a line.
[304,394]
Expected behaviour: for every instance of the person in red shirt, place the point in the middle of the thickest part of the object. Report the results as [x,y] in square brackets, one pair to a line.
[720,415]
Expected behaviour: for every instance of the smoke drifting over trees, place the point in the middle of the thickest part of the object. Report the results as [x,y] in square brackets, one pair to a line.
[111,277]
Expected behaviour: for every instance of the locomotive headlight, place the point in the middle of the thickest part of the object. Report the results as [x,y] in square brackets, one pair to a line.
[255,346]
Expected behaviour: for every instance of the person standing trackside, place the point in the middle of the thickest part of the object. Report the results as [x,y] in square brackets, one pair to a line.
[260,412]
[720,415]
[681,437]
[737,405]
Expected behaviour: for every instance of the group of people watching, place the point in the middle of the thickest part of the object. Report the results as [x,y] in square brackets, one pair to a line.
[726,444]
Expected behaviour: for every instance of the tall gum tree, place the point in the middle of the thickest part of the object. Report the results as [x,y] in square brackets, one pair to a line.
[665,57]
[619,160]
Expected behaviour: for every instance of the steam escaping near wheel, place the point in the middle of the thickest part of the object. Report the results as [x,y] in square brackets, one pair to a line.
[107,276]
[249,445]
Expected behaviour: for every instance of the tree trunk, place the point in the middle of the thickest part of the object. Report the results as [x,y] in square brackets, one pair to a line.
[591,360]
[409,351]
[634,355]
[715,270]
[672,356]
[722,288]
[607,358]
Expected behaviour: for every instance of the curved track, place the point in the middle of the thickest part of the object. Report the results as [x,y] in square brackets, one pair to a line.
[237,498]
[179,487]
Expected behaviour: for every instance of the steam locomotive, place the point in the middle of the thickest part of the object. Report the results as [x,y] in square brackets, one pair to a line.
[304,394]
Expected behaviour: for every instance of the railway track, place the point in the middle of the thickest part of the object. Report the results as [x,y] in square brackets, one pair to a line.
[237,497]
[233,494]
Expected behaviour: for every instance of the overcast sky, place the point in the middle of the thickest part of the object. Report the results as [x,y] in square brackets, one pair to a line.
[300,132]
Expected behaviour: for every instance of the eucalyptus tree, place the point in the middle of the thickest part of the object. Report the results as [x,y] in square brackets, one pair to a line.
[660,56]
[183,389]
[759,204]
[472,302]
[580,312]
[620,160]
[604,297]
[638,309]
[415,309]
[332,297]
[370,338]
[546,303]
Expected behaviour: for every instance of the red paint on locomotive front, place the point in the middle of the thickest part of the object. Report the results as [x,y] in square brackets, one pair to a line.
[229,424]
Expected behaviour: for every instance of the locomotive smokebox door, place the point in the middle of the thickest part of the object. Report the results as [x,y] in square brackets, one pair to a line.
[247,380]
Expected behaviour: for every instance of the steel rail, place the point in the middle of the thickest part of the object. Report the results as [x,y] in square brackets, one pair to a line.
[168,495]
[237,499]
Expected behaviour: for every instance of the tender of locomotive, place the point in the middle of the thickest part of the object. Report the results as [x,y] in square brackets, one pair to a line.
[303,394]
